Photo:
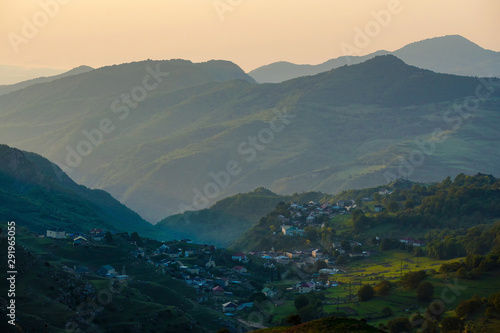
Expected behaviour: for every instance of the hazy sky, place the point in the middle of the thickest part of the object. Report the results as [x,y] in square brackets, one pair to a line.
[250,33]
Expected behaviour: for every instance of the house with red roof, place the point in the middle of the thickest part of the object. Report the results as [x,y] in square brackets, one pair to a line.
[240,269]
[239,256]
[218,290]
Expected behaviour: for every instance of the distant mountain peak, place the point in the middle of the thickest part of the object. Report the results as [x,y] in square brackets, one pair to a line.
[451,54]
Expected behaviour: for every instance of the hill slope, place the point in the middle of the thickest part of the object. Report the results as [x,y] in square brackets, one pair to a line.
[332,324]
[228,218]
[37,194]
[5,89]
[171,151]
[452,54]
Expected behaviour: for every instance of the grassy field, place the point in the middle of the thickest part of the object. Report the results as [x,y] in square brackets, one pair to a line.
[402,302]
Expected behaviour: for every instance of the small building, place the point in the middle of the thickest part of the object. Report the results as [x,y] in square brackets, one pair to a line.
[94,232]
[223,282]
[288,230]
[164,248]
[106,270]
[57,233]
[292,255]
[244,306]
[270,292]
[80,241]
[306,287]
[384,191]
[378,208]
[240,269]
[317,253]
[84,270]
[239,256]
[229,307]
[195,270]
[218,291]
[210,263]
[173,253]
[268,264]
[98,238]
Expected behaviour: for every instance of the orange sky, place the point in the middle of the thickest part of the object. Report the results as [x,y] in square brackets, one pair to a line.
[250,33]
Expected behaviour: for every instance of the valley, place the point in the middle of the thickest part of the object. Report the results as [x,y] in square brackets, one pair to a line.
[144,192]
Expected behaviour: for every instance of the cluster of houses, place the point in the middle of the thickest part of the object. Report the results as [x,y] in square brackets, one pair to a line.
[79,239]
[412,242]
[312,214]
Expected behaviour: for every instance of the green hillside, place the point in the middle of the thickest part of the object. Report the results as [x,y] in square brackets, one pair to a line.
[348,128]
[229,218]
[37,194]
[340,325]
[427,212]
[52,297]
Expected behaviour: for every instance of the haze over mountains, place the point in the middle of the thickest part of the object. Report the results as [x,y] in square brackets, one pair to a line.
[8,88]
[452,54]
[10,75]
[196,133]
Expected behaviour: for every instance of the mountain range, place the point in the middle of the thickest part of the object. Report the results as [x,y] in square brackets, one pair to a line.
[452,54]
[205,131]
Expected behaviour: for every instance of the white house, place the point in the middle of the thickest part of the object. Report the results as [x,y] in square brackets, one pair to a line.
[229,307]
[57,233]
[306,287]
[210,263]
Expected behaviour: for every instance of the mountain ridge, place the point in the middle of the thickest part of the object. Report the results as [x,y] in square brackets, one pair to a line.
[451,54]
[339,129]
[6,89]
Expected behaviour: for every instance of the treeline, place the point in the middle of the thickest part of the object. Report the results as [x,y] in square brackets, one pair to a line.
[463,202]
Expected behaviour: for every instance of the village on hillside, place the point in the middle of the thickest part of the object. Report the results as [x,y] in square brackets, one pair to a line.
[230,282]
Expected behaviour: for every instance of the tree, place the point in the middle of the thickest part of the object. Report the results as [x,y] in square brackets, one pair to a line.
[320,264]
[382,288]
[294,319]
[398,325]
[462,273]
[409,204]
[416,320]
[341,260]
[108,237]
[467,307]
[345,245]
[393,207]
[387,312]
[365,293]
[412,279]
[425,291]
[360,221]
[452,324]
[301,301]
[418,251]
[134,237]
[308,313]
